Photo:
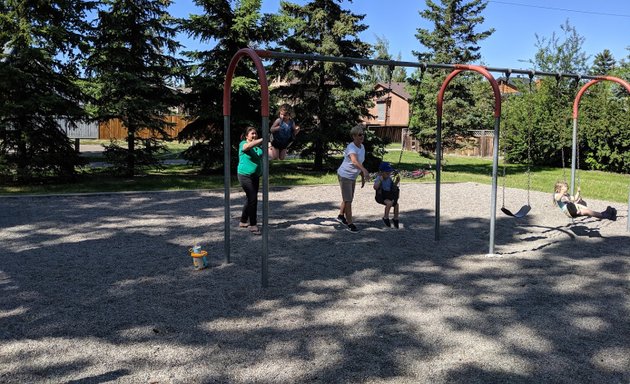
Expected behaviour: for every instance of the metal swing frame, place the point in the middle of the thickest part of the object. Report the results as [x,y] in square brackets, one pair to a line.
[257,55]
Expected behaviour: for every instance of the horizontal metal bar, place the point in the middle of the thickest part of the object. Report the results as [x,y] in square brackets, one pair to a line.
[265,54]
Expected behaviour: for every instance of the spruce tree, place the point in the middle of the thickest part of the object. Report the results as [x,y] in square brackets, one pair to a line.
[226,26]
[380,74]
[132,66]
[40,44]
[454,39]
[328,96]
[604,63]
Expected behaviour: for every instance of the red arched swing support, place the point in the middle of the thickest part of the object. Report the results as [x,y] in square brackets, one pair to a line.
[264,111]
[495,152]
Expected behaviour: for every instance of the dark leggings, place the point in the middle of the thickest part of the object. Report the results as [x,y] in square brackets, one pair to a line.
[250,185]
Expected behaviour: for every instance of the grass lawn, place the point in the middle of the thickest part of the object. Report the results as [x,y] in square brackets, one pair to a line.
[594,184]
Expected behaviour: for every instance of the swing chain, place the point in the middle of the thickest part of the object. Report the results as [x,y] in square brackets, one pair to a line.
[411,111]
[577,145]
[562,129]
[529,138]
[507,80]
[388,101]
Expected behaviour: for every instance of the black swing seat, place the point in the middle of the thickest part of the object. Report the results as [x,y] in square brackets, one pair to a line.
[521,212]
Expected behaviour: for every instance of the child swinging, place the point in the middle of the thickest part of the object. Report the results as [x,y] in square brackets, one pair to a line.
[283,132]
[574,206]
[387,192]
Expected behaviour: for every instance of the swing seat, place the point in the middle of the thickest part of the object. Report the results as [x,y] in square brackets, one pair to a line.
[521,212]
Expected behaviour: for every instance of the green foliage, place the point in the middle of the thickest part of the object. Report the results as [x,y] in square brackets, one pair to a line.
[603,64]
[227,26]
[537,124]
[144,158]
[382,74]
[329,100]
[556,55]
[454,39]
[131,63]
[38,85]
[604,129]
[604,119]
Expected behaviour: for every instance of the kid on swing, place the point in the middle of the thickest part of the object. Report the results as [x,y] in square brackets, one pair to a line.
[387,192]
[283,132]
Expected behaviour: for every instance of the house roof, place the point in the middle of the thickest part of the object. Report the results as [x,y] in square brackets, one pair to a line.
[398,88]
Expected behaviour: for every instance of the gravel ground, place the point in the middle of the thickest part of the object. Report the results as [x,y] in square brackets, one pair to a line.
[101,288]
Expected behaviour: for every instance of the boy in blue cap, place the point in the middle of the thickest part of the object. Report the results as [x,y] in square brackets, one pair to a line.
[387,192]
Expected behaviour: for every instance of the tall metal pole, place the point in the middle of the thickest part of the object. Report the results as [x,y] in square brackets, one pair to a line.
[495,171]
[573,156]
[226,187]
[264,266]
[438,173]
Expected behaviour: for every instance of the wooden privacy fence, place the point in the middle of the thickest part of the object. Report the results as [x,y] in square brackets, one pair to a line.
[478,143]
[114,129]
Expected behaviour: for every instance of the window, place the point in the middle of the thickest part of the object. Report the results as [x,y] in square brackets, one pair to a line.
[380,111]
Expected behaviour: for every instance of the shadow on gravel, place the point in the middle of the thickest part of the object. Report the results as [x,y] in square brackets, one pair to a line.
[111,272]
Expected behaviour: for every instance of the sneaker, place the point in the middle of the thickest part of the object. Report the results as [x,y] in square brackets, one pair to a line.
[386,221]
[342,219]
[353,228]
[395,223]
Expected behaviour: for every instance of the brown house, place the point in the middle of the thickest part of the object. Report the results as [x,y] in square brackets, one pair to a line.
[390,112]
[506,86]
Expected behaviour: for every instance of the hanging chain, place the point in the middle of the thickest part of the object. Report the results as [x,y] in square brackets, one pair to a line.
[388,101]
[507,80]
[577,148]
[411,110]
[529,138]
[562,129]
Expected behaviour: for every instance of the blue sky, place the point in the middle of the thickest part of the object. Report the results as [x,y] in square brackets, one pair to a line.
[516,24]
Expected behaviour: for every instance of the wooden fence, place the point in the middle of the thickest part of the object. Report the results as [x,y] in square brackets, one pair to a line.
[480,144]
[393,133]
[114,130]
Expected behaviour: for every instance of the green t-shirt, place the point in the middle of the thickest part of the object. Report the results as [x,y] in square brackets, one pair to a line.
[249,163]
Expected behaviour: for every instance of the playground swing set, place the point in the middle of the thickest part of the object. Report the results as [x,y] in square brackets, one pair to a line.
[524,210]
[257,55]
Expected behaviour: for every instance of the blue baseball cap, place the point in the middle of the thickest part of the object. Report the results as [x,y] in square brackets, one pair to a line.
[385,167]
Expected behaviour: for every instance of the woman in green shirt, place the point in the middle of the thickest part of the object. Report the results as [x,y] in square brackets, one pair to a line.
[249,170]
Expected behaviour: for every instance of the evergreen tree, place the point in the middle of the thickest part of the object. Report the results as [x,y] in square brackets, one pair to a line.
[38,85]
[380,74]
[228,26]
[131,64]
[454,39]
[330,100]
[603,63]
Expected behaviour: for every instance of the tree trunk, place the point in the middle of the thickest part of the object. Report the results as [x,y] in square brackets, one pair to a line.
[22,158]
[319,154]
[131,160]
